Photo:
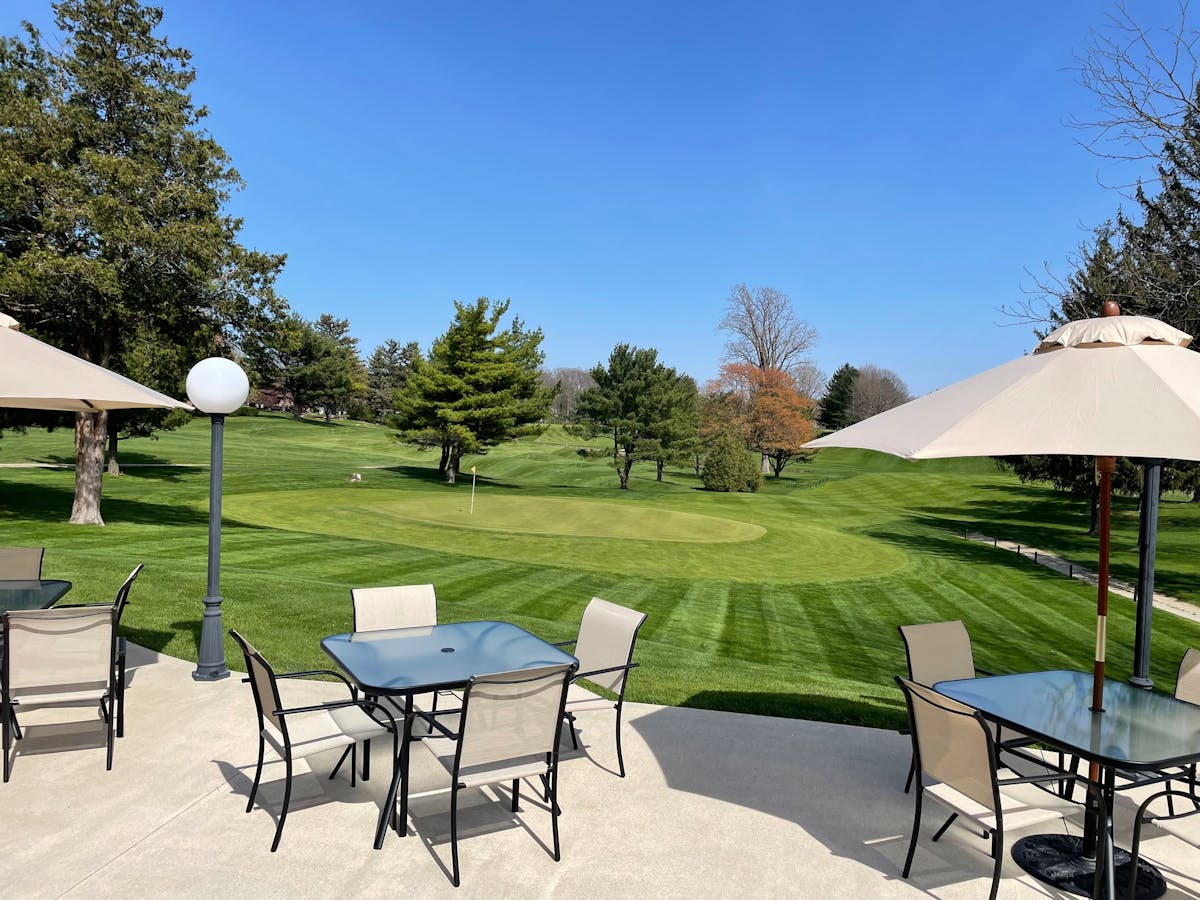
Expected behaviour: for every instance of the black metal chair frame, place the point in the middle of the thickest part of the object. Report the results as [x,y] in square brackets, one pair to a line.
[112,703]
[620,701]
[996,834]
[549,778]
[283,712]
[1136,849]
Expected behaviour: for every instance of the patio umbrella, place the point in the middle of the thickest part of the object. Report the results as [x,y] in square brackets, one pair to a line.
[1107,387]
[35,375]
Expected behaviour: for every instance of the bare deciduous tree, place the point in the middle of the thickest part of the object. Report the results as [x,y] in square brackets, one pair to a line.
[765,330]
[810,381]
[572,382]
[876,390]
[1144,79]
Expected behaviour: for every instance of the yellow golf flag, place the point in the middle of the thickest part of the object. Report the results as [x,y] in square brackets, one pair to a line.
[472,470]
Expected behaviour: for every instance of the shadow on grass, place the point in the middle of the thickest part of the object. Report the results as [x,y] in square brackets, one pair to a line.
[157,640]
[46,503]
[874,710]
[431,476]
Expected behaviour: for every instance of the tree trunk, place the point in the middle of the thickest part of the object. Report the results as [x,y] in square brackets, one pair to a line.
[659,463]
[452,466]
[444,460]
[1196,494]
[778,461]
[328,417]
[297,411]
[764,465]
[114,466]
[1094,524]
[91,429]
[623,468]
[697,464]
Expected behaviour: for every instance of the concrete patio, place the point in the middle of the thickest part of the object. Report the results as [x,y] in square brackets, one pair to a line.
[715,804]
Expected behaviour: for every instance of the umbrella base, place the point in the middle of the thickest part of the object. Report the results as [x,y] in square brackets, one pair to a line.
[1058,860]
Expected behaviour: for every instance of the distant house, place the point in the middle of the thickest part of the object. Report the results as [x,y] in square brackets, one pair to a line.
[275,399]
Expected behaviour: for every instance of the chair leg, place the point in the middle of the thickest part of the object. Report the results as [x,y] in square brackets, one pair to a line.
[287,796]
[620,757]
[554,811]
[912,844]
[109,722]
[366,767]
[454,830]
[341,759]
[7,716]
[121,692]
[257,773]
[1135,850]
[942,830]
[912,772]
[19,736]
[516,793]
[998,853]
[571,723]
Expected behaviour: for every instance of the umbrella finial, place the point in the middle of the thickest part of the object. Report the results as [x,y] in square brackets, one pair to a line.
[1110,308]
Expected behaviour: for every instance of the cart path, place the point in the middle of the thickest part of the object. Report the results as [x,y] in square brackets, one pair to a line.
[1161,601]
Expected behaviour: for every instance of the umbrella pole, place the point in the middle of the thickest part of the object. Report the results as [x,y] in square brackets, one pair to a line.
[1105,467]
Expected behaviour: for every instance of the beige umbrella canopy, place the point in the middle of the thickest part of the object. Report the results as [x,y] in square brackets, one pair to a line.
[1107,387]
[35,375]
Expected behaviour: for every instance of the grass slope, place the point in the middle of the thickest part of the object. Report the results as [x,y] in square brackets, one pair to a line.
[783,603]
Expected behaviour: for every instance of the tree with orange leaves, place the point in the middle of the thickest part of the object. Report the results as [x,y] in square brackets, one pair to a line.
[774,418]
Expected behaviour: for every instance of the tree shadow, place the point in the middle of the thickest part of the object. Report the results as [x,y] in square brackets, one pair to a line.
[431,476]
[873,710]
[49,503]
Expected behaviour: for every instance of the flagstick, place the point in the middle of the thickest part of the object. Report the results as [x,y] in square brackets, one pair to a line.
[472,512]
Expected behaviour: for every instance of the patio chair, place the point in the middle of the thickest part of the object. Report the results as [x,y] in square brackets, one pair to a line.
[118,607]
[60,657]
[954,747]
[1185,826]
[508,729]
[301,731]
[396,606]
[21,563]
[604,649]
[941,651]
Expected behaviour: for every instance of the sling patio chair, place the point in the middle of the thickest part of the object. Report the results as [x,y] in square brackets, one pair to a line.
[508,729]
[1183,825]
[21,563]
[954,748]
[301,731]
[60,658]
[941,651]
[395,606]
[604,648]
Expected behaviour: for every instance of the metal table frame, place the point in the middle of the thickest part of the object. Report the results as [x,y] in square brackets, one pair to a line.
[1138,731]
[402,662]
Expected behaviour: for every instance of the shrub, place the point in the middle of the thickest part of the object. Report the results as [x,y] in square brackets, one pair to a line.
[729,467]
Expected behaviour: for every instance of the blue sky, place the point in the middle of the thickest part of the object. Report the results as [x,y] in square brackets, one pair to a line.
[894,167]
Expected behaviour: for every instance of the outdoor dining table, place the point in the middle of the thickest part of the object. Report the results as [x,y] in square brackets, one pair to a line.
[31,593]
[402,662]
[1138,731]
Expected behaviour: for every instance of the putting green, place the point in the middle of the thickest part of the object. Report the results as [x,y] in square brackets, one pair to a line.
[617,536]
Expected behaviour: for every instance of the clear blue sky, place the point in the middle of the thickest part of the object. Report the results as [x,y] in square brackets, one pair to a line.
[614,168]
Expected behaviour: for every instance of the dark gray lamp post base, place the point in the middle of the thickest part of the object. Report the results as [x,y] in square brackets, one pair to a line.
[211,663]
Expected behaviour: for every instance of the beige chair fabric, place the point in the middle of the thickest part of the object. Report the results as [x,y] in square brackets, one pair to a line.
[1184,825]
[604,648]
[21,563]
[398,606]
[508,729]
[303,731]
[938,651]
[59,657]
[954,748]
[1187,683]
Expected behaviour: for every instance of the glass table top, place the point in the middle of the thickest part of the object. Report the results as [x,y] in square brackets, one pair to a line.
[399,660]
[1138,729]
[32,594]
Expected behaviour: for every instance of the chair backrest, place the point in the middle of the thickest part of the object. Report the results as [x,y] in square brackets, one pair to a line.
[1187,683]
[938,651]
[512,716]
[21,563]
[122,598]
[606,637]
[398,606]
[72,648]
[262,683]
[952,743]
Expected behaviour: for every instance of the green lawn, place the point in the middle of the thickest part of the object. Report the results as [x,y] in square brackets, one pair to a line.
[785,602]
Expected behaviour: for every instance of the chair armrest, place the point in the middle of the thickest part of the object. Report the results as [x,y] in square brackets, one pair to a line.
[1035,779]
[338,675]
[338,704]
[579,675]
[1186,795]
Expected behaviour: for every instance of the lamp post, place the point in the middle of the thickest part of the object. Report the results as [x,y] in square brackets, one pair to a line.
[217,387]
